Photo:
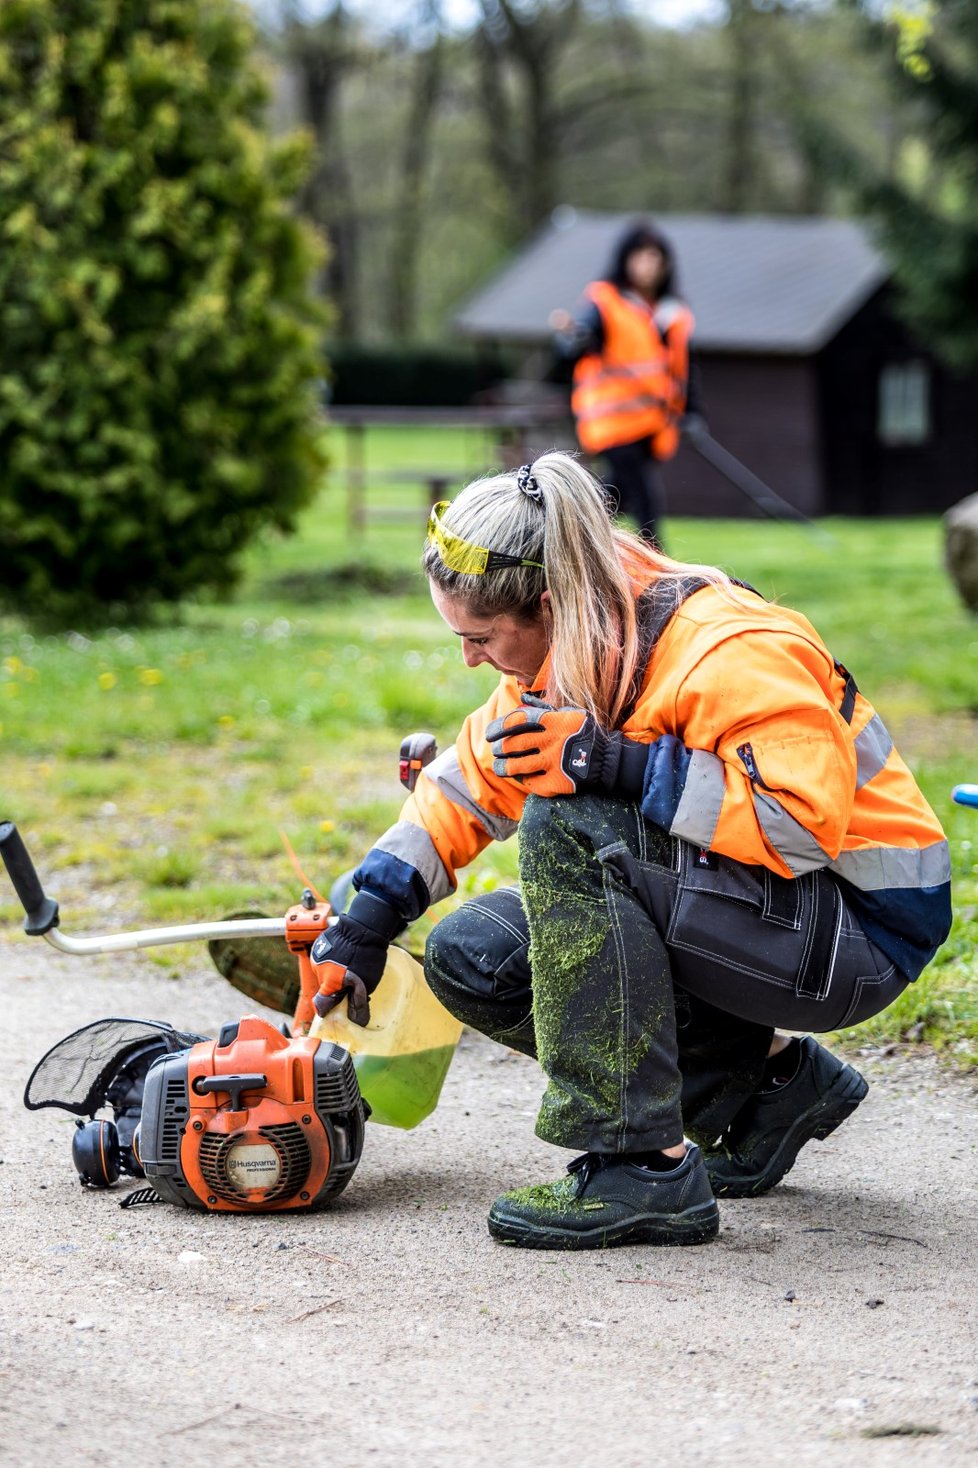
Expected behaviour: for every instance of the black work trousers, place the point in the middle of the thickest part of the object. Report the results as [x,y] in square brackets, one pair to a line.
[646,976]
[634,474]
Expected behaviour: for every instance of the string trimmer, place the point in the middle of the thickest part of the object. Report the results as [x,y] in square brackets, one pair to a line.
[260,1118]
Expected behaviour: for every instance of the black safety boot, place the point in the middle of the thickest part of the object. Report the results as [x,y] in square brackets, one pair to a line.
[609,1200]
[766,1135]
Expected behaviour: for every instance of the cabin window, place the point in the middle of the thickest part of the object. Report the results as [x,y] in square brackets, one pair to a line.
[904,403]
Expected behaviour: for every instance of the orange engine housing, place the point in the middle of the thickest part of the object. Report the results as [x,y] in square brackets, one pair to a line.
[252,1122]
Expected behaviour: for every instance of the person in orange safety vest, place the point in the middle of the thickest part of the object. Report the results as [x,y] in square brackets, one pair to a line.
[718,843]
[632,386]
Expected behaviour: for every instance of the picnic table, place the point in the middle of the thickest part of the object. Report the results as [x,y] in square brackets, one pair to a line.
[512,434]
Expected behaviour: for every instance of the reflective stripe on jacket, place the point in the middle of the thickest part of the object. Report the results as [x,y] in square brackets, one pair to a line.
[635,387]
[785,766]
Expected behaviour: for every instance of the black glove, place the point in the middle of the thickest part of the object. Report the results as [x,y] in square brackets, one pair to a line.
[353,955]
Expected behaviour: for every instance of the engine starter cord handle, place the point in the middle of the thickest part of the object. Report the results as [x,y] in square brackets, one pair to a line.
[234,1085]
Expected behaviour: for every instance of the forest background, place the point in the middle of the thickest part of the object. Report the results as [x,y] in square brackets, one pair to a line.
[448,132]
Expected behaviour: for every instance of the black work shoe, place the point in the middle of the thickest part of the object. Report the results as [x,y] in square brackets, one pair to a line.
[766,1135]
[608,1200]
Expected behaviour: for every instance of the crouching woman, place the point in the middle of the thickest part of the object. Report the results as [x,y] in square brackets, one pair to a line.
[718,843]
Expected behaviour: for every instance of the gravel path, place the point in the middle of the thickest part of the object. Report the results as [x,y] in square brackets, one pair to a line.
[833,1322]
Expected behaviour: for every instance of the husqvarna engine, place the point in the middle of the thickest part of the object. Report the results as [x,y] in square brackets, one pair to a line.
[253,1121]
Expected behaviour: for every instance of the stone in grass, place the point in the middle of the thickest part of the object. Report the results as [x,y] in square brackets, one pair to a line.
[961,549]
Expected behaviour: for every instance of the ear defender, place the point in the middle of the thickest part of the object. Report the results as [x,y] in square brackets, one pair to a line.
[96,1153]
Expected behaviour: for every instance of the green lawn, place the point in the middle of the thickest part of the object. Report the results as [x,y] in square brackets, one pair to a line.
[152,769]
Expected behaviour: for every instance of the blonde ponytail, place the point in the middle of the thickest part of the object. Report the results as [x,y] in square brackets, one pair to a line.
[593,570]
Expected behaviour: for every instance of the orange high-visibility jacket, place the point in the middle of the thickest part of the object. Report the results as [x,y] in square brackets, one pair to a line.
[788,767]
[635,387]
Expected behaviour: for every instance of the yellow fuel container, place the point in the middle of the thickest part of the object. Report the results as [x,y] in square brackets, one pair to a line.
[402,1056]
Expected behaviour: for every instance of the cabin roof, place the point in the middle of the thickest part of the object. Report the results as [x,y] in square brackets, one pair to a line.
[755,283]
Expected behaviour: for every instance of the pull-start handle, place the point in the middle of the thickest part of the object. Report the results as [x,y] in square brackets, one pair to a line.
[233,1085]
[42,912]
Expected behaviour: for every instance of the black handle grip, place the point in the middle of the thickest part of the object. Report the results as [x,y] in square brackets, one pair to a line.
[417,750]
[234,1085]
[42,912]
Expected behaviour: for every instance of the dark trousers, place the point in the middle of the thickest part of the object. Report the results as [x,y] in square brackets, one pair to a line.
[648,977]
[633,472]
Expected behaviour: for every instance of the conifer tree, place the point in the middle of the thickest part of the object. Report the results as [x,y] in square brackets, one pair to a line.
[928,211]
[159,347]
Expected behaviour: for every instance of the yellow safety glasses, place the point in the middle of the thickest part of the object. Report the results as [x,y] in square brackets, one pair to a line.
[462,556]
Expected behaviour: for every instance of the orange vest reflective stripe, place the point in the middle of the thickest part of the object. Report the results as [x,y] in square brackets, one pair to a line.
[636,386]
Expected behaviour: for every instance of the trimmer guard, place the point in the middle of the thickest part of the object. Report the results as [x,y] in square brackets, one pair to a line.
[262,968]
[77,1072]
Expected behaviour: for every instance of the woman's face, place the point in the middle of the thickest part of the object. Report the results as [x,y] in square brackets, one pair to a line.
[508,645]
[644,268]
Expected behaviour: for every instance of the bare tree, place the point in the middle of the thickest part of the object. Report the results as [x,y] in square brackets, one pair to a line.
[525,39]
[322,53]
[740,151]
[407,224]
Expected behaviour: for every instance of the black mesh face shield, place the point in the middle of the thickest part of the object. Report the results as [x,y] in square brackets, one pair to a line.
[78,1072]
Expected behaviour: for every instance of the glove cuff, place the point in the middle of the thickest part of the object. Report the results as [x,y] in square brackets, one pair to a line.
[622,768]
[630,777]
[373,913]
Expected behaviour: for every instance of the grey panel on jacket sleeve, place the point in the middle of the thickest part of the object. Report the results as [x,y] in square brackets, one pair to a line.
[873,747]
[699,806]
[795,845]
[446,772]
[412,844]
[878,868]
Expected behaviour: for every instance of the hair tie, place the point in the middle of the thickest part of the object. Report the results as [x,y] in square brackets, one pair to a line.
[526,483]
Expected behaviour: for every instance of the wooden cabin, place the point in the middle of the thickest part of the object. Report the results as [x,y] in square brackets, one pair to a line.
[808,376]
